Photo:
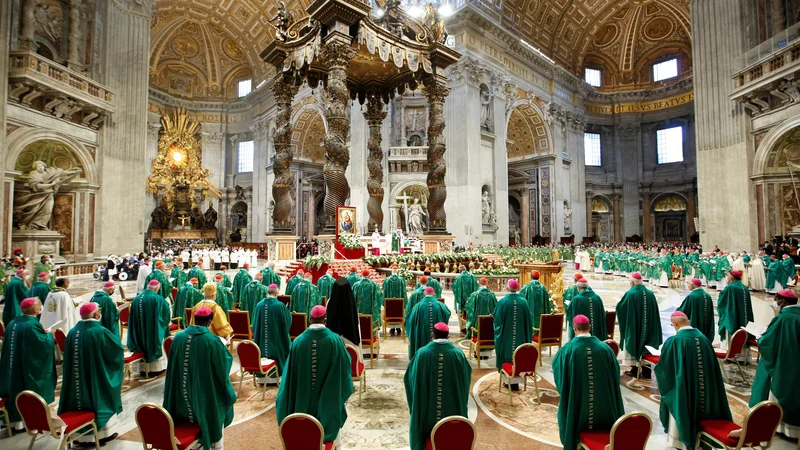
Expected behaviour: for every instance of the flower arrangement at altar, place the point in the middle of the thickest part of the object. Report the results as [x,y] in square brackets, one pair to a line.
[453,258]
[350,242]
[502,271]
[315,262]
[406,274]
[513,255]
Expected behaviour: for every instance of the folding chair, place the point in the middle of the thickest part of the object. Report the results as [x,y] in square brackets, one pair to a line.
[37,419]
[758,429]
[630,432]
[482,337]
[160,432]
[549,334]
[393,314]
[452,433]
[523,364]
[369,337]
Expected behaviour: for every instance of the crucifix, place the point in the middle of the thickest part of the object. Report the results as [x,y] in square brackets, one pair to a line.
[183,220]
[405,198]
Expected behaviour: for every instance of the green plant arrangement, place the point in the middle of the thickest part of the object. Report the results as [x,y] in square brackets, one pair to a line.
[350,242]
[315,262]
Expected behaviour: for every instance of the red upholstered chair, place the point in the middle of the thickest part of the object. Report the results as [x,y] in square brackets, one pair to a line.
[36,417]
[123,296]
[168,345]
[735,348]
[630,432]
[550,333]
[124,313]
[285,299]
[303,432]
[299,324]
[324,301]
[752,345]
[452,433]
[758,428]
[240,322]
[369,337]
[393,314]
[128,362]
[161,433]
[6,420]
[482,337]
[611,322]
[647,360]
[251,362]
[61,339]
[614,346]
[357,370]
[189,316]
[523,365]
[174,294]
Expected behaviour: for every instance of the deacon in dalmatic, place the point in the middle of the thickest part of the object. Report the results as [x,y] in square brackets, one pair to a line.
[269,276]
[589,304]
[241,280]
[369,298]
[305,296]
[394,286]
[734,307]
[324,284]
[420,323]
[512,325]
[16,292]
[463,287]
[586,373]
[690,383]
[198,386]
[481,303]
[148,325]
[253,293]
[316,379]
[271,321]
[639,324]
[778,369]
[109,313]
[437,385]
[93,372]
[699,307]
[224,296]
[187,297]
[538,299]
[28,361]
[59,309]
[219,325]
[295,280]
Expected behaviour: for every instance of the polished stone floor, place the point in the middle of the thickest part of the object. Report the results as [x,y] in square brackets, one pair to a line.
[380,419]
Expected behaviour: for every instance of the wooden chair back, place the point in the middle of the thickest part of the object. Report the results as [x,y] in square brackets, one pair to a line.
[285,299]
[299,324]
[551,326]
[365,323]
[486,330]
[395,310]
[189,316]
[611,322]
[240,322]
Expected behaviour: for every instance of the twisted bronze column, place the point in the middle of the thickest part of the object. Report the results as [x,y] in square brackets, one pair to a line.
[436,93]
[337,55]
[375,115]
[283,183]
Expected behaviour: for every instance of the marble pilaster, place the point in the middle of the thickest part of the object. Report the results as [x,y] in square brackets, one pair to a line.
[618,212]
[75,35]
[646,233]
[629,141]
[589,196]
[525,216]
[28,27]
[5,25]
[356,171]
[262,149]
[213,151]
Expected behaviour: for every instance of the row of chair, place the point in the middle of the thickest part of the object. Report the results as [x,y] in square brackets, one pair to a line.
[548,335]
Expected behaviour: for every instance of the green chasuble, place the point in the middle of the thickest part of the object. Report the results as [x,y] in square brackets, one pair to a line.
[241,280]
[690,383]
[148,324]
[268,276]
[369,300]
[179,277]
[512,327]
[416,296]
[778,370]
[187,298]
[48,269]
[590,305]
[699,307]
[316,380]
[437,287]
[16,292]
[253,293]
[198,386]
[395,287]
[109,314]
[569,294]
[734,308]
[481,303]
[437,386]
[197,272]
[271,323]
[304,297]
[224,298]
[294,281]
[395,242]
[639,322]
[463,287]
[165,290]
[40,290]
[93,371]
[538,301]
[775,273]
[586,373]
[325,285]
[226,280]
[788,270]
[28,362]
[424,316]
[353,278]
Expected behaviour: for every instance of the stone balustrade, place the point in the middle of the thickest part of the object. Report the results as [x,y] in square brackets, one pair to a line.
[408,153]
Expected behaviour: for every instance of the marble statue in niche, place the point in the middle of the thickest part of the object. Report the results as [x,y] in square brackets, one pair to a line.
[210,218]
[416,218]
[33,210]
[567,218]
[486,207]
[487,119]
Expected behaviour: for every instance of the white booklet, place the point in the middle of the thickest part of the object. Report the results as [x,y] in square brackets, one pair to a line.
[123,306]
[54,326]
[266,361]
[755,329]
[653,351]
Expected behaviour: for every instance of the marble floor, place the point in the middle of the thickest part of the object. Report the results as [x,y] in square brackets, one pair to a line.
[380,419]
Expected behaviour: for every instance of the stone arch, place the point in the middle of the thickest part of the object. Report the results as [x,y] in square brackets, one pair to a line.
[21,138]
[602,220]
[308,132]
[770,143]
[527,131]
[670,215]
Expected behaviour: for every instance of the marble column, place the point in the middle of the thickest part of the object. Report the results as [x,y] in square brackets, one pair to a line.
[75,35]
[628,137]
[436,92]
[691,212]
[375,115]
[28,28]
[646,236]
[617,198]
[151,152]
[525,214]
[589,231]
[124,140]
[284,180]
[260,130]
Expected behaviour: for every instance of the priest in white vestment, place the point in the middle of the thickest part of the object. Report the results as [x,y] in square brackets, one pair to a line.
[376,242]
[59,309]
[206,255]
[144,271]
[758,277]
[738,264]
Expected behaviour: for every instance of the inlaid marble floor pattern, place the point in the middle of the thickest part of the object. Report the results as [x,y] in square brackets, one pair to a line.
[380,419]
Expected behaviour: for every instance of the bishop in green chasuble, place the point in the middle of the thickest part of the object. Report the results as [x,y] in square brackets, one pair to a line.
[778,369]
[28,361]
[224,295]
[734,306]
[416,296]
[590,305]
[179,277]
[690,383]
[512,325]
[294,281]
[305,296]
[317,377]
[432,282]
[437,385]
[93,370]
[426,313]
[538,298]
[775,275]
[586,373]
[324,284]
[463,287]
[253,293]
[269,276]
[108,308]
[198,387]
[165,287]
[699,307]
[241,280]
[41,287]
[639,321]
[197,272]
[394,286]
[481,303]
[271,322]
[148,325]
[369,298]
[187,297]
[16,292]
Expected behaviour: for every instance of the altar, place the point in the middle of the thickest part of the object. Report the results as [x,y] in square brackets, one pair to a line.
[551,275]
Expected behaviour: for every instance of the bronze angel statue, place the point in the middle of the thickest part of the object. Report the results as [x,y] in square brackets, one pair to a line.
[435,23]
[281,22]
